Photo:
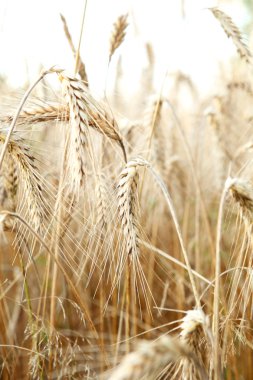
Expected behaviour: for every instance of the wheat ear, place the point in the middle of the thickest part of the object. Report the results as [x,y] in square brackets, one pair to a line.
[128,204]
[151,358]
[232,31]
[118,34]
[85,111]
[242,192]
[28,178]
[40,113]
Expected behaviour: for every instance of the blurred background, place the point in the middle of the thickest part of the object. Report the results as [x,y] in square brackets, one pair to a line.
[183,34]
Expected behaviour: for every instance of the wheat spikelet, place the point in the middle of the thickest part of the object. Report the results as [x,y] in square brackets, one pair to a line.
[85,112]
[232,31]
[242,192]
[193,320]
[243,86]
[128,205]
[10,181]
[193,326]
[78,136]
[81,69]
[150,359]
[41,113]
[27,178]
[118,34]
[101,204]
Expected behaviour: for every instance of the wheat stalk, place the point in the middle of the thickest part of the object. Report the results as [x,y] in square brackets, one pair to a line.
[81,68]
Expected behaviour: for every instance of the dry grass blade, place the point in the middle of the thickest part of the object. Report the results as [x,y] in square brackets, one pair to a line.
[232,31]
[118,34]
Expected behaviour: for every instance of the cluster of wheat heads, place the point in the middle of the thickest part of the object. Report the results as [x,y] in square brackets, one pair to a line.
[125,244]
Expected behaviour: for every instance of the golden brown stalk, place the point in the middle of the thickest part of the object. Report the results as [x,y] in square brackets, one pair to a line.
[128,205]
[232,31]
[81,68]
[118,34]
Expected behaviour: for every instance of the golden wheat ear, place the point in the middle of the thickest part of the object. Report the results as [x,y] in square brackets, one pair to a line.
[151,359]
[233,32]
[242,192]
[118,34]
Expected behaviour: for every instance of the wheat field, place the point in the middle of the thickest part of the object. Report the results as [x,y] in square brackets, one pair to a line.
[126,242]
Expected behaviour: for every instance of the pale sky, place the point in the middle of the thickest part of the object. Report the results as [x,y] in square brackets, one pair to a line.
[31,35]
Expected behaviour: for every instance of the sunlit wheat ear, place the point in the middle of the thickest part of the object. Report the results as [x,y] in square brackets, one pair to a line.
[41,113]
[193,329]
[9,189]
[193,322]
[242,192]
[128,204]
[10,175]
[81,69]
[86,112]
[232,31]
[150,359]
[102,217]
[28,181]
[118,34]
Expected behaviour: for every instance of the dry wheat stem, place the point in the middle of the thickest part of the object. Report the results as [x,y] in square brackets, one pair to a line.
[216,299]
[68,279]
[175,220]
[81,65]
[175,261]
[80,37]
